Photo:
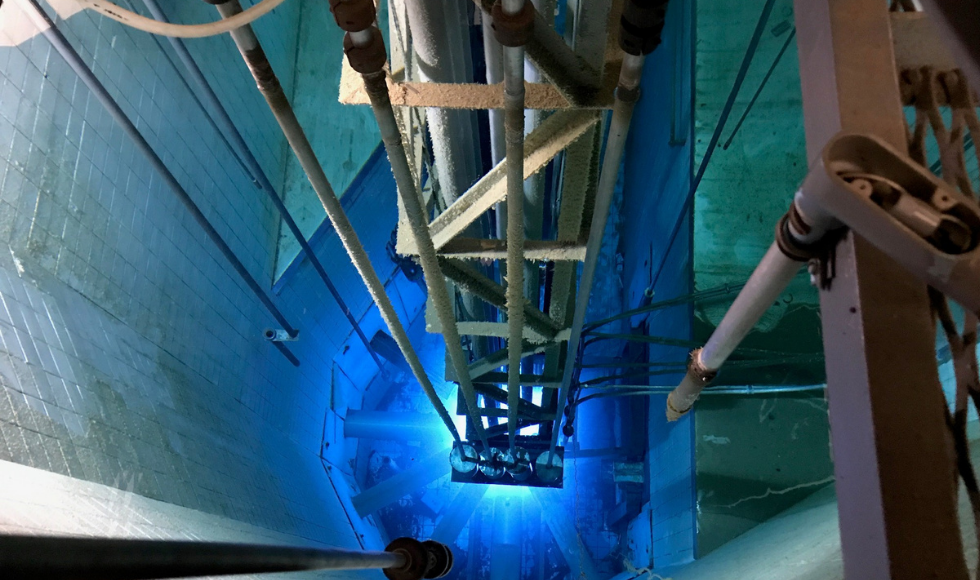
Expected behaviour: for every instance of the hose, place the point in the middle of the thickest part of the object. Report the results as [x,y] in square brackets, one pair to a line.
[134,20]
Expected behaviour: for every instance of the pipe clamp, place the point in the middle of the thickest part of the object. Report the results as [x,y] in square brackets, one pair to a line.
[513,29]
[641,25]
[369,58]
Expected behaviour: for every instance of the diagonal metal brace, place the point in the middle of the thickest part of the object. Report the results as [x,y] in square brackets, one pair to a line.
[575,78]
[475,282]
[541,146]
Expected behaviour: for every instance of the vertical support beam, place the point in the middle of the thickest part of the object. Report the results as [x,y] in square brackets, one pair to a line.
[895,481]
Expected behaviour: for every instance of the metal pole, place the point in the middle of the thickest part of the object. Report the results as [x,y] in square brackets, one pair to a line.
[268,84]
[770,278]
[64,48]
[377,89]
[895,477]
[253,167]
[441,41]
[514,135]
[53,557]
[627,93]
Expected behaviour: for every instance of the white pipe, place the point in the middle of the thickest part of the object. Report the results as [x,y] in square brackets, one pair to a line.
[770,278]
[514,131]
[139,22]
[767,282]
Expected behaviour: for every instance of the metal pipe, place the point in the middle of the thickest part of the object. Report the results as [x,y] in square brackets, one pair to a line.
[47,557]
[253,167]
[64,48]
[369,41]
[493,54]
[377,90]
[644,391]
[514,135]
[804,226]
[268,84]
[627,93]
[204,110]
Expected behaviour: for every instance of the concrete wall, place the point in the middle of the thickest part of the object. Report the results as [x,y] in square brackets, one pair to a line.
[131,352]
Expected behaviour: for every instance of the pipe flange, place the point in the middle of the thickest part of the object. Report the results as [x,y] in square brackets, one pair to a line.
[352,15]
[369,58]
[416,560]
[628,95]
[790,246]
[796,220]
[440,559]
[513,29]
[697,370]
[641,25]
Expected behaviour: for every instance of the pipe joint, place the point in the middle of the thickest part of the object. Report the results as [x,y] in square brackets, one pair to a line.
[698,376]
[698,370]
[353,15]
[641,25]
[429,559]
[791,233]
[513,29]
[265,77]
[628,95]
[366,58]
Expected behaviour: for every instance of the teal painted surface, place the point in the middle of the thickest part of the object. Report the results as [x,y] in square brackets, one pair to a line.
[748,186]
[756,456]
[343,136]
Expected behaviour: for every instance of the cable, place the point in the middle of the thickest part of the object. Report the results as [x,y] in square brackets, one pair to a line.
[741,364]
[134,20]
[692,297]
[643,392]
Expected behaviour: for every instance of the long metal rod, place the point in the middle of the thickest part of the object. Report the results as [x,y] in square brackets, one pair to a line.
[767,282]
[253,167]
[627,93]
[64,48]
[50,558]
[268,84]
[762,85]
[726,111]
[514,135]
[377,90]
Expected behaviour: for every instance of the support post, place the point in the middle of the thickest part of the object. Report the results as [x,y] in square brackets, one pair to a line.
[895,481]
